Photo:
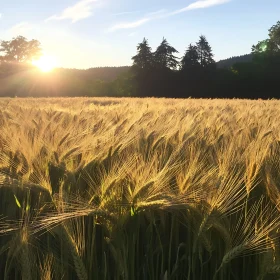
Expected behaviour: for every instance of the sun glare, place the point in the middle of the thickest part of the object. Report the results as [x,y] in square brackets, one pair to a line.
[45,63]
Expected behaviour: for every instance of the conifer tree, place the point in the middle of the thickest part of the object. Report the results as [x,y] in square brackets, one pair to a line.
[190,59]
[144,57]
[164,57]
[204,50]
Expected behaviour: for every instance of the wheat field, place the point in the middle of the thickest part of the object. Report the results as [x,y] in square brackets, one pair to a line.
[144,189]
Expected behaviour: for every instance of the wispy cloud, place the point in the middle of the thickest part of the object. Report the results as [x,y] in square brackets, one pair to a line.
[201,4]
[20,28]
[81,10]
[126,13]
[157,13]
[128,25]
[137,23]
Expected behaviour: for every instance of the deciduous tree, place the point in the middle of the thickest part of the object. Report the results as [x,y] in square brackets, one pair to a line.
[19,49]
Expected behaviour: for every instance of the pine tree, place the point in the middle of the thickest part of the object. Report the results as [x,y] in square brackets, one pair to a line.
[164,57]
[204,50]
[144,58]
[190,59]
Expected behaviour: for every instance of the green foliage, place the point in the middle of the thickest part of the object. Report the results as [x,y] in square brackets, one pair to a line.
[274,35]
[17,202]
[124,85]
[270,46]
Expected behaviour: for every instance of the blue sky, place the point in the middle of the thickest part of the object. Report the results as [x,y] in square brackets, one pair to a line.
[91,33]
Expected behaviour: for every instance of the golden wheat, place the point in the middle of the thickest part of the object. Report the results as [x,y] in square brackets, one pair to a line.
[138,188]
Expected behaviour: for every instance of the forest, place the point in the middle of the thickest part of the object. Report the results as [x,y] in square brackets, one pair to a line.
[158,73]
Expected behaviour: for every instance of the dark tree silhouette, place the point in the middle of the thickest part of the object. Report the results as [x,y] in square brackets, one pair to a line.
[190,59]
[144,57]
[269,46]
[204,50]
[164,57]
[143,63]
[274,35]
[229,62]
[153,74]
[19,49]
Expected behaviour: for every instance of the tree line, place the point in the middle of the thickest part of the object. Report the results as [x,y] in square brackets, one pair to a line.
[161,73]
[158,73]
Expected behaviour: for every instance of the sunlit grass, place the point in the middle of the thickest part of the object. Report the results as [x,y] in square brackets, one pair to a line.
[139,189]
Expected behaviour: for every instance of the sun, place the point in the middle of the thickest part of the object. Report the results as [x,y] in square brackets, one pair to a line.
[45,63]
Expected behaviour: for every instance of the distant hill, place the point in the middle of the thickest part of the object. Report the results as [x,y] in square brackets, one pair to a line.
[227,63]
[27,80]
[106,74]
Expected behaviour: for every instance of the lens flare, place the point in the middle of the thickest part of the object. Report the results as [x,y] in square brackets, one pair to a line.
[45,63]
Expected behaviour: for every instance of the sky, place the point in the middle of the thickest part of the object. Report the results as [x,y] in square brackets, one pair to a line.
[94,33]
